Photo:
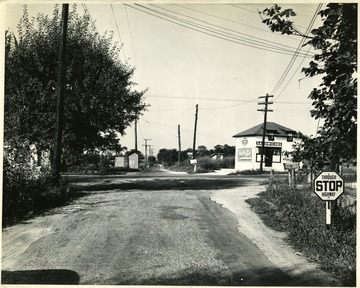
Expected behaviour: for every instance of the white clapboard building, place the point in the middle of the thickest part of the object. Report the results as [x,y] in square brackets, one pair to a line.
[279,141]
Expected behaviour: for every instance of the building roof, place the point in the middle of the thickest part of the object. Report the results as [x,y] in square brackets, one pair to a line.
[271,127]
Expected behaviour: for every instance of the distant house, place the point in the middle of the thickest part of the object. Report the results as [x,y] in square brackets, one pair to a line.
[217,156]
[279,141]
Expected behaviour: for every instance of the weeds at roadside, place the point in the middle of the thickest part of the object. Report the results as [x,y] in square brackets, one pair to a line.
[302,215]
[26,194]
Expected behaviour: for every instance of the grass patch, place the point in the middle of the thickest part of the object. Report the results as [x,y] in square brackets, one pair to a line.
[302,215]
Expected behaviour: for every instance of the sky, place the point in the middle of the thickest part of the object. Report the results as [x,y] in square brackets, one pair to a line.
[213,55]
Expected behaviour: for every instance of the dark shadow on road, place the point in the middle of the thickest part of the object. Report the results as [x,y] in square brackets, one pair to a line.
[247,277]
[53,276]
[167,184]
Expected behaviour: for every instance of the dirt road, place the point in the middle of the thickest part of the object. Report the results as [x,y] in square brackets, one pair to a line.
[156,231]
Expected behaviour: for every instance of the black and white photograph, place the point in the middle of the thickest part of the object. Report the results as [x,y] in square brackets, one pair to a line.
[179,143]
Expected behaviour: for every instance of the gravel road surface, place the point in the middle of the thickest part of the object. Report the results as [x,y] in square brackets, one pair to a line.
[158,234]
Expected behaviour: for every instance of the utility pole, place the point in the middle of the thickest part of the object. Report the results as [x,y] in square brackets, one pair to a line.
[151,150]
[196,117]
[56,161]
[179,154]
[146,149]
[265,109]
[151,154]
[136,144]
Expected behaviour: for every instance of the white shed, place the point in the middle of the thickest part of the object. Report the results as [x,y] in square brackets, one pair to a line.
[133,160]
[121,161]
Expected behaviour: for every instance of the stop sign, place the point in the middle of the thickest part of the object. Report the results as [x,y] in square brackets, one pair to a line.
[328,186]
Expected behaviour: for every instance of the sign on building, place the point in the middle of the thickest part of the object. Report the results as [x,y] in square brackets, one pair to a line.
[278,144]
[244,153]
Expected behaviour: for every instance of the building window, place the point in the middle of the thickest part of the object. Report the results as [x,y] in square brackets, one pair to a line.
[277,155]
[270,155]
[271,136]
[290,137]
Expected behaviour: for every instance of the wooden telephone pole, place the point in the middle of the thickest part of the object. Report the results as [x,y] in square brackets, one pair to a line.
[194,142]
[56,161]
[265,109]
[179,154]
[136,142]
[146,149]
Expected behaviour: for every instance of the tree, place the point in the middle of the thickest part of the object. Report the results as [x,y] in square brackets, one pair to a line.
[225,149]
[167,156]
[335,100]
[100,99]
[202,151]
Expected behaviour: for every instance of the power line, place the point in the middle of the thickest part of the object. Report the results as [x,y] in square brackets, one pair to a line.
[159,126]
[192,98]
[252,11]
[211,33]
[177,109]
[118,31]
[287,84]
[232,106]
[131,38]
[258,40]
[219,100]
[292,61]
[249,42]
[222,18]
[257,12]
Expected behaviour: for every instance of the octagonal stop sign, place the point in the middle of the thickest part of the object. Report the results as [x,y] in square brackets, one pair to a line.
[328,186]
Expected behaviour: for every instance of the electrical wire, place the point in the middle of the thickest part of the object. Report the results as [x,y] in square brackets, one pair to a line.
[232,106]
[158,125]
[243,8]
[132,41]
[218,108]
[118,31]
[257,39]
[256,12]
[177,109]
[192,98]
[296,54]
[287,84]
[219,35]
[221,99]
[228,20]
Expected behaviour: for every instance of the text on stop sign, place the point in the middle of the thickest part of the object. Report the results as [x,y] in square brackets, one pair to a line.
[328,185]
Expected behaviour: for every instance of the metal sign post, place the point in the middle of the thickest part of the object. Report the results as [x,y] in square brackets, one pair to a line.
[328,212]
[291,168]
[193,162]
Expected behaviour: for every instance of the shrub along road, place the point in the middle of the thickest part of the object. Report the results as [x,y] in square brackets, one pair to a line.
[163,229]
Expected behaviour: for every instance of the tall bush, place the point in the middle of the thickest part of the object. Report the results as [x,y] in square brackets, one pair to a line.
[28,190]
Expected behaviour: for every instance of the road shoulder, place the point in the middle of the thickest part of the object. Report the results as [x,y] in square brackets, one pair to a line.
[272,243]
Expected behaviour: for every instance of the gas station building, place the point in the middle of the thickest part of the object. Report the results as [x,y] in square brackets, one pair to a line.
[279,141]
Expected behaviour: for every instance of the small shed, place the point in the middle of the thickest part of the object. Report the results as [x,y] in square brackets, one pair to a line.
[121,161]
[217,156]
[133,160]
